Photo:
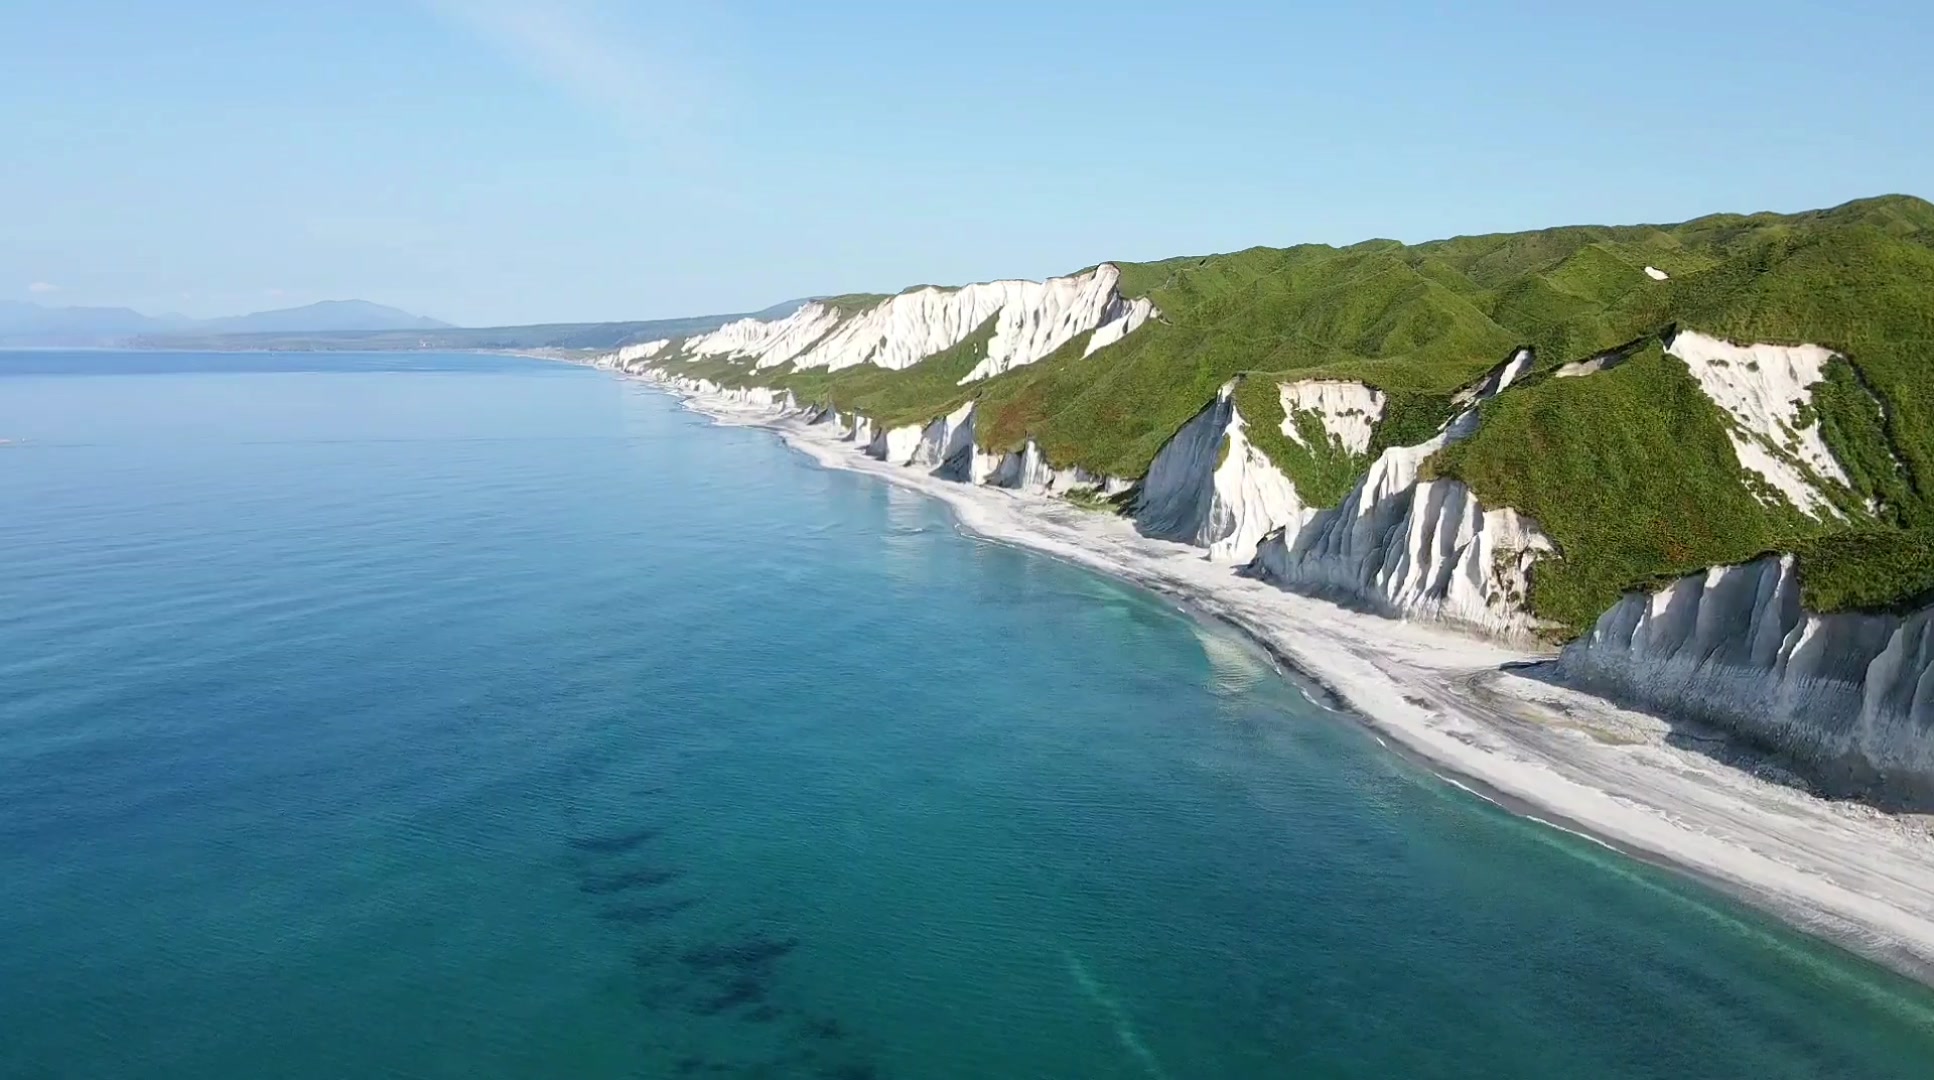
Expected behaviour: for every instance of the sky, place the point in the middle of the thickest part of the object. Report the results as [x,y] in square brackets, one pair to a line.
[494,162]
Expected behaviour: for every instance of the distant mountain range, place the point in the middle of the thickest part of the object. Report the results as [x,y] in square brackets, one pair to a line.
[333,325]
[356,315]
[31,324]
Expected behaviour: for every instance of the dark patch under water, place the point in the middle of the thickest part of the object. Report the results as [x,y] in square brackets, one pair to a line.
[616,843]
[627,880]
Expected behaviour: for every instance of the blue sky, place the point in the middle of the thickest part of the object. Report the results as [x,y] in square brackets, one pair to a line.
[500,161]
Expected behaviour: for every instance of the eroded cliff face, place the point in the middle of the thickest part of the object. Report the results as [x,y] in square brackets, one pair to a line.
[1850,697]
[1401,546]
[1027,469]
[1031,320]
[1211,487]
[1408,548]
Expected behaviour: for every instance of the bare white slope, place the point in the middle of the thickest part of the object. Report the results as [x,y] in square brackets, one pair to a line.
[1349,411]
[1763,389]
[1211,487]
[1032,319]
[1131,315]
[1500,378]
[632,354]
[768,342]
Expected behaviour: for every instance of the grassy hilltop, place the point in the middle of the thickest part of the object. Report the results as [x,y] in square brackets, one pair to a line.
[1629,470]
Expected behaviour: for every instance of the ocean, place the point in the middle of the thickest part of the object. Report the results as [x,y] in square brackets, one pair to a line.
[467,716]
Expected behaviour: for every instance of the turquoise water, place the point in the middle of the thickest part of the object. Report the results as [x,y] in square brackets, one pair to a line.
[476,717]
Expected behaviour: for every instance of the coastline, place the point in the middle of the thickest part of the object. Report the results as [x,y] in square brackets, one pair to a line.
[1456,705]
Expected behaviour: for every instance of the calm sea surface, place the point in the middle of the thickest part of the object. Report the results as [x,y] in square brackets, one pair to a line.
[454,716]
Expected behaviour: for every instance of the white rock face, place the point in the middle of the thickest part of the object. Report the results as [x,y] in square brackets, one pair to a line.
[1032,319]
[1349,411]
[1656,274]
[1035,319]
[895,446]
[1762,388]
[769,343]
[1209,486]
[1851,696]
[947,444]
[1604,361]
[1133,313]
[1028,470]
[629,357]
[1498,380]
[1405,548]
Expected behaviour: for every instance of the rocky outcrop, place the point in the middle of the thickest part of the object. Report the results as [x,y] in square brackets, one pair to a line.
[1849,697]
[767,342]
[944,444]
[1497,380]
[1120,319]
[632,357]
[1028,469]
[1601,362]
[1409,548]
[895,446]
[1406,547]
[1211,487]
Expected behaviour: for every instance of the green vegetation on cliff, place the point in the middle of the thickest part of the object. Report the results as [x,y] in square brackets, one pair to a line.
[1628,470]
[1632,465]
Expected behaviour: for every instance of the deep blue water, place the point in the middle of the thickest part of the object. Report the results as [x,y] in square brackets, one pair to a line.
[453,716]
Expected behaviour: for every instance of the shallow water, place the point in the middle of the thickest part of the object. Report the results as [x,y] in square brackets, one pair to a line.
[460,716]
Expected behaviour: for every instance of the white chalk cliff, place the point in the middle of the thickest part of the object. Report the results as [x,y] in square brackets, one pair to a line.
[1028,469]
[1031,320]
[1850,696]
[1211,487]
[1409,548]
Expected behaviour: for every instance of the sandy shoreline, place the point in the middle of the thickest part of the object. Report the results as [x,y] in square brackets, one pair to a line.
[1840,870]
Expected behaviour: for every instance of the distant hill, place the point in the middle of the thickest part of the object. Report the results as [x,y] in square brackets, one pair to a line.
[545,336]
[333,326]
[31,324]
[329,315]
